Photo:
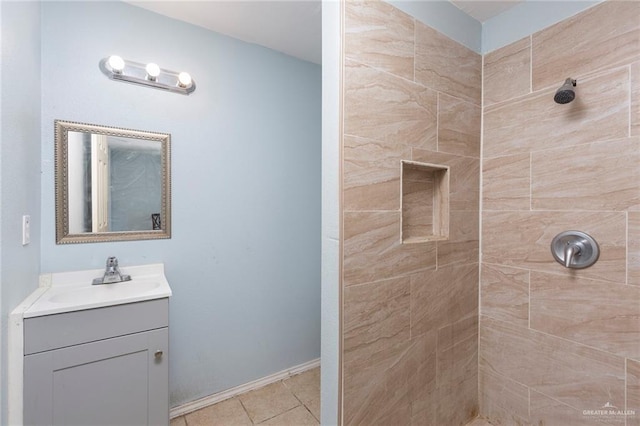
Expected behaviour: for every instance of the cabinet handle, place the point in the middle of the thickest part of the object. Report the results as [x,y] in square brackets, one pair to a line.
[158,354]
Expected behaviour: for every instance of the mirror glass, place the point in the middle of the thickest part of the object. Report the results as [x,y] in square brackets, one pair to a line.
[112,184]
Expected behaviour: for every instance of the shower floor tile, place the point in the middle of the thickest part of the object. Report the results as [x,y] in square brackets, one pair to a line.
[293,401]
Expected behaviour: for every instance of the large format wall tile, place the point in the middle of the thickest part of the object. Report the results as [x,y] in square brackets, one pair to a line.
[576,375]
[506,183]
[522,239]
[502,400]
[535,122]
[633,392]
[377,389]
[553,341]
[443,296]
[458,126]
[464,187]
[463,243]
[597,176]
[372,174]
[447,66]
[376,316]
[422,359]
[432,115]
[457,381]
[505,294]
[458,331]
[635,99]
[548,411]
[633,252]
[383,388]
[601,37]
[379,35]
[507,72]
[372,249]
[598,314]
[384,107]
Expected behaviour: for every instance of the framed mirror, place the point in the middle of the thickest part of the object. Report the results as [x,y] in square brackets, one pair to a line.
[112,184]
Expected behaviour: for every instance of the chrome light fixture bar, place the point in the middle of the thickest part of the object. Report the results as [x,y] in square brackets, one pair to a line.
[150,75]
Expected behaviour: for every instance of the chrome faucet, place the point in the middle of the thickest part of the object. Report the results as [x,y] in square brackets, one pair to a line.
[112,273]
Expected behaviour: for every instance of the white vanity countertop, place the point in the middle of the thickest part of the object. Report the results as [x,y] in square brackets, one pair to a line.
[72,291]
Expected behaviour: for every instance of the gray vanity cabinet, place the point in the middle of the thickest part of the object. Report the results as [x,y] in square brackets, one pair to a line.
[106,366]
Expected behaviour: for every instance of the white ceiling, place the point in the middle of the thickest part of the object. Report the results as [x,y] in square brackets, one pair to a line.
[293,27]
[482,10]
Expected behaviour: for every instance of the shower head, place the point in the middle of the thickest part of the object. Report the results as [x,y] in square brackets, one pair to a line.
[566,93]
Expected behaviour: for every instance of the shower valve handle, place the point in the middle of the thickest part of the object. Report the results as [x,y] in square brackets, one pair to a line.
[571,251]
[575,249]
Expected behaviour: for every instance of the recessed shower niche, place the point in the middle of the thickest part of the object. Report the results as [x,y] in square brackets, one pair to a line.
[425,202]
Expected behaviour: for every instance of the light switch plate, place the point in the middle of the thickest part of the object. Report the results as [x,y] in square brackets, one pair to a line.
[26,230]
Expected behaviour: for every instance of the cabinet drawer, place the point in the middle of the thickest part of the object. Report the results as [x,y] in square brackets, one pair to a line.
[73,328]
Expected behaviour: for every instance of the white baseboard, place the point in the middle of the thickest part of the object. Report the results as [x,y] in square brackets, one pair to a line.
[192,406]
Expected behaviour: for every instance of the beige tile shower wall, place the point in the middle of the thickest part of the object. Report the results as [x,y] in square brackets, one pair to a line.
[557,344]
[410,311]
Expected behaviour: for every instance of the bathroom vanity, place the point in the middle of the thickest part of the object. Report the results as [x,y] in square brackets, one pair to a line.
[92,354]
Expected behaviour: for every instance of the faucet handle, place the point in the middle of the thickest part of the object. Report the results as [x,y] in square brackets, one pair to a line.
[112,262]
[575,249]
[570,251]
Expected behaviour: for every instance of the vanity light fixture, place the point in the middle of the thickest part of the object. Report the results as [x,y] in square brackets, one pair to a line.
[150,75]
[116,63]
[153,71]
[184,79]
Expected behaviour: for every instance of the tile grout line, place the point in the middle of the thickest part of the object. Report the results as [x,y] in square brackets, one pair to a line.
[414,49]
[563,339]
[530,181]
[530,64]
[630,97]
[299,400]
[243,407]
[480,214]
[599,73]
[626,248]
[438,121]
[531,389]
[529,403]
[457,95]
[626,404]
[529,299]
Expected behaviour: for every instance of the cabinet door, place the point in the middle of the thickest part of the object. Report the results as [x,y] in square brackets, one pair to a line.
[118,381]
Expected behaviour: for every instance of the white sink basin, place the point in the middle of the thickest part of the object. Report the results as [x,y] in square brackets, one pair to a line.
[73,291]
[96,293]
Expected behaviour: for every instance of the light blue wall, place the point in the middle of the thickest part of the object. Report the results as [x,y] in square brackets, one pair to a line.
[244,259]
[523,19]
[19,161]
[526,18]
[443,16]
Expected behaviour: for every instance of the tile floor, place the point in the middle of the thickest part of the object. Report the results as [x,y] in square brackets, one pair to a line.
[291,402]
[294,401]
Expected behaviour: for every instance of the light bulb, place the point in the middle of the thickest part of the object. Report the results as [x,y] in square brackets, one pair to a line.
[116,63]
[184,79]
[153,71]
